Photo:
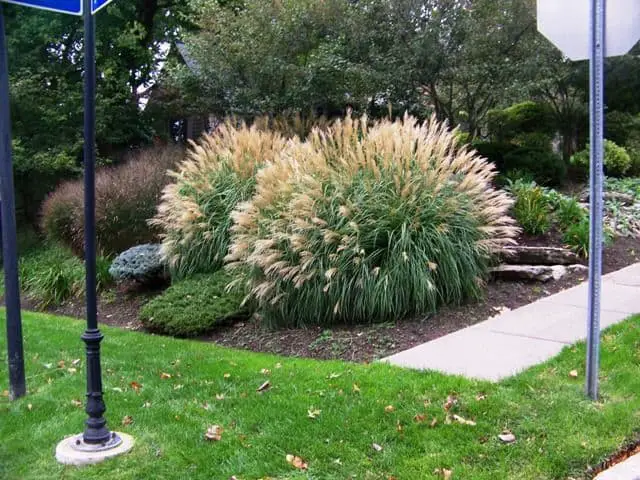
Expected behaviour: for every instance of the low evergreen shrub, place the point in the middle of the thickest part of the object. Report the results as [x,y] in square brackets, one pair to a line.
[194,306]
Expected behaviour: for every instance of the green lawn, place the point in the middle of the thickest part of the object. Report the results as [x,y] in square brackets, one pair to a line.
[559,433]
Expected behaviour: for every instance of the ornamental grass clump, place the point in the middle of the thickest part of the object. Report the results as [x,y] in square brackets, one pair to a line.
[369,224]
[194,213]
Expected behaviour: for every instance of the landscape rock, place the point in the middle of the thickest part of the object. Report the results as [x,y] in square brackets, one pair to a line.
[142,264]
[623,198]
[538,273]
[522,255]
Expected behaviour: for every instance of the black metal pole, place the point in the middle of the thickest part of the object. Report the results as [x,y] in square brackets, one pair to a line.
[17,384]
[96,431]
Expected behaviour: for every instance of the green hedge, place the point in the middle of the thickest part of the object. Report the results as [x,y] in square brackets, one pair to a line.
[194,306]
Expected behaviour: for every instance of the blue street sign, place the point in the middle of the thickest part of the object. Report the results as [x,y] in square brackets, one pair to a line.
[73,7]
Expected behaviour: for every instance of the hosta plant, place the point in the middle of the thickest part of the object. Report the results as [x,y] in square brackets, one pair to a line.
[368,224]
[219,172]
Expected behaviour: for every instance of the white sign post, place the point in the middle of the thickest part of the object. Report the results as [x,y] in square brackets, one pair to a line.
[592,29]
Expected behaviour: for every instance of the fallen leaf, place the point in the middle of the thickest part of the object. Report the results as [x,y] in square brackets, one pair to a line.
[443,472]
[265,371]
[480,397]
[76,403]
[29,407]
[5,393]
[399,426]
[463,421]
[264,387]
[434,422]
[47,365]
[205,406]
[165,376]
[146,405]
[432,266]
[227,375]
[451,401]
[178,387]
[136,386]
[356,388]
[296,462]
[507,437]
[214,433]
[72,370]
[419,418]
[117,389]
[127,420]
[61,364]
[389,409]
[76,362]
[313,413]
[278,365]
[376,447]
[219,396]
[573,373]
[334,375]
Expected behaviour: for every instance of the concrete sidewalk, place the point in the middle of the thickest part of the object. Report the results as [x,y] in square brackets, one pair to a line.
[513,341]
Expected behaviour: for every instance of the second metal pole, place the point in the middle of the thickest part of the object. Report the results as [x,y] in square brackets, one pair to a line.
[598,12]
[17,384]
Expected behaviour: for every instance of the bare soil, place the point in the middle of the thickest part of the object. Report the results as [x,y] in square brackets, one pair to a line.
[362,343]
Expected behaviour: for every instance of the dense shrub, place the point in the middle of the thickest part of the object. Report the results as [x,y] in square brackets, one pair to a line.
[37,174]
[218,174]
[616,159]
[521,118]
[620,127]
[367,224]
[495,152]
[126,198]
[576,237]
[52,274]
[194,306]
[568,212]
[540,164]
[531,209]
[545,167]
[141,264]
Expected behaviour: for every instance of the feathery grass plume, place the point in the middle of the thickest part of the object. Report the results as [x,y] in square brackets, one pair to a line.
[369,223]
[218,173]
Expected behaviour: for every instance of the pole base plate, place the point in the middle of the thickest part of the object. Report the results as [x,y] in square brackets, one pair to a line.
[74,451]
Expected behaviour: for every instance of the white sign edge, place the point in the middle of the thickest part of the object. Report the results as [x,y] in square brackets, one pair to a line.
[105,4]
[16,2]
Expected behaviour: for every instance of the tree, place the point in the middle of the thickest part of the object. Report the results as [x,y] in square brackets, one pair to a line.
[46,70]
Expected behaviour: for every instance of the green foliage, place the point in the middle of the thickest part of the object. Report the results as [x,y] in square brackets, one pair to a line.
[630,186]
[616,159]
[51,274]
[126,198]
[194,306]
[576,237]
[495,152]
[357,226]
[545,167]
[522,118]
[531,209]
[620,127]
[568,213]
[141,263]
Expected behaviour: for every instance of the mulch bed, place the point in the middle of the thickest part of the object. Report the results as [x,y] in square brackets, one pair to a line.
[361,343]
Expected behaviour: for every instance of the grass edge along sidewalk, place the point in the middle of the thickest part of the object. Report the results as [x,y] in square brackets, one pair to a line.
[343,420]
